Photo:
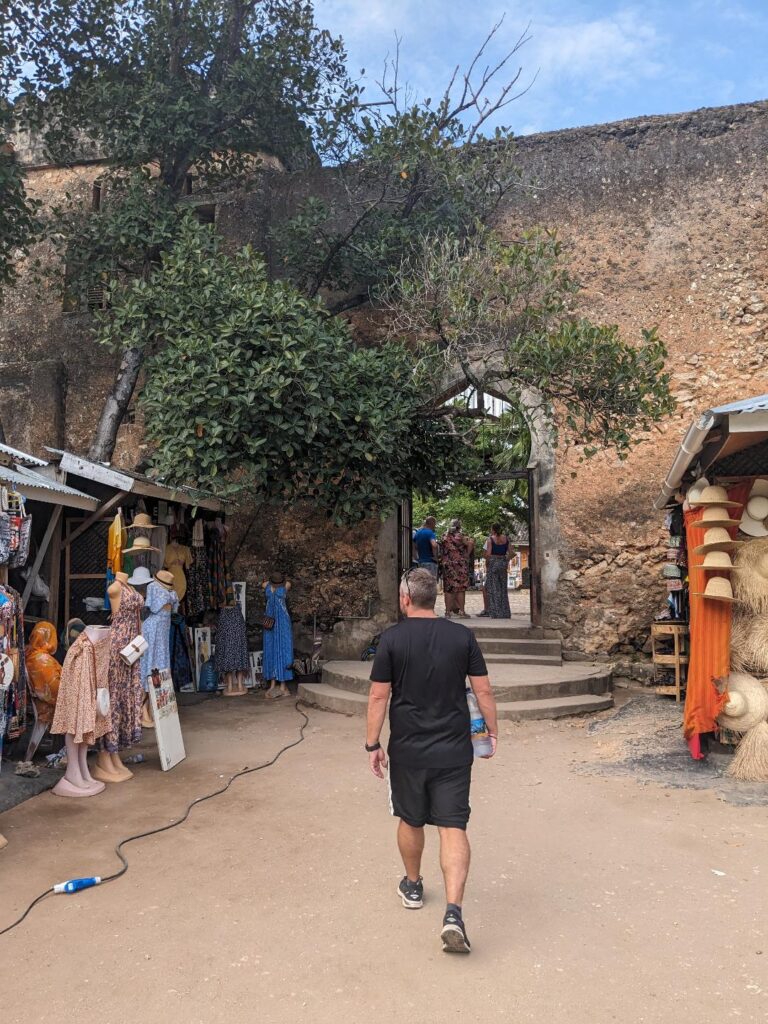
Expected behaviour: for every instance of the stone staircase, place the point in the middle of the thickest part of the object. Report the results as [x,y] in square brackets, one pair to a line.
[528,675]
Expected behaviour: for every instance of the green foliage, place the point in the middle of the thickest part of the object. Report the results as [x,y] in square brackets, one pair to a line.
[17,216]
[477,512]
[251,386]
[503,313]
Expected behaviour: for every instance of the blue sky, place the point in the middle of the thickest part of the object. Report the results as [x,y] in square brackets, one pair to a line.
[597,60]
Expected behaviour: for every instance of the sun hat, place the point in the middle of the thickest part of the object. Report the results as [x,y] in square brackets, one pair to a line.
[694,491]
[142,522]
[757,506]
[713,496]
[752,527]
[671,572]
[759,489]
[139,546]
[141,577]
[717,539]
[747,703]
[719,560]
[718,588]
[716,515]
[165,579]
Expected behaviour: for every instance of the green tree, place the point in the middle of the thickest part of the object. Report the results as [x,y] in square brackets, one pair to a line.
[255,387]
[17,215]
[166,91]
[477,511]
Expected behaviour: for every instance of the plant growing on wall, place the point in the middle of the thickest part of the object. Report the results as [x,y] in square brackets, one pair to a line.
[250,385]
[17,215]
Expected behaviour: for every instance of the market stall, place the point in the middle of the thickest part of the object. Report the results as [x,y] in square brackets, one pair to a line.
[716,502]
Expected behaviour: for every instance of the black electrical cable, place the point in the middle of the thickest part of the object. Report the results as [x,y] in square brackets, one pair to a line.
[173,824]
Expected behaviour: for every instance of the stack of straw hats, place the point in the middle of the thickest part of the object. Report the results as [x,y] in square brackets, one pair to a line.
[718,544]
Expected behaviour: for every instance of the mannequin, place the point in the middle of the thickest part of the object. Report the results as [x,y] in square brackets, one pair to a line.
[161,601]
[77,715]
[178,560]
[232,662]
[124,683]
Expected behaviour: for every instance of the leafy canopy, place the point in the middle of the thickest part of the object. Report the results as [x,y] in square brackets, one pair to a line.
[254,386]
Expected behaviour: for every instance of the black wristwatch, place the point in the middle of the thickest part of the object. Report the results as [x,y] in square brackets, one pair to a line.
[372,747]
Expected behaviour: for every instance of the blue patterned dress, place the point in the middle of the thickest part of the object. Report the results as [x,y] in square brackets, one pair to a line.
[156,629]
[278,641]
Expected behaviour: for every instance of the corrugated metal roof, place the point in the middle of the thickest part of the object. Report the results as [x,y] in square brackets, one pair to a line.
[26,479]
[759,404]
[21,458]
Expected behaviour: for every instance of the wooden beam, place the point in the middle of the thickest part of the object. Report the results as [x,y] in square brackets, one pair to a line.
[41,553]
[54,573]
[100,512]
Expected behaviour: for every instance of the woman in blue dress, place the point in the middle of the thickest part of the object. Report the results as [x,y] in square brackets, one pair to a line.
[278,641]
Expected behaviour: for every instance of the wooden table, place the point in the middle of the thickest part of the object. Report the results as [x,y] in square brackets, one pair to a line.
[678,632]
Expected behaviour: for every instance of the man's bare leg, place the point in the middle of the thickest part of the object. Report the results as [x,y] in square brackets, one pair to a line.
[410,842]
[454,861]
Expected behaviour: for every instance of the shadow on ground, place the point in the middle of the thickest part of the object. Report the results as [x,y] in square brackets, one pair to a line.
[644,740]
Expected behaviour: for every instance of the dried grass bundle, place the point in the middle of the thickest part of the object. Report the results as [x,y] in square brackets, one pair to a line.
[749,643]
[750,762]
[750,586]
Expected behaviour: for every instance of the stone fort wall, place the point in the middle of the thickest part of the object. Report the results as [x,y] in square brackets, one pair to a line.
[664,222]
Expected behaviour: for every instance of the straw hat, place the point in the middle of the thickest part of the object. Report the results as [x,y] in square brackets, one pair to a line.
[747,703]
[718,588]
[140,546]
[759,489]
[165,579]
[713,496]
[717,539]
[719,560]
[142,522]
[141,577]
[694,492]
[753,527]
[716,515]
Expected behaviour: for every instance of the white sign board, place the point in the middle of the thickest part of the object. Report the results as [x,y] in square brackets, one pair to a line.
[165,713]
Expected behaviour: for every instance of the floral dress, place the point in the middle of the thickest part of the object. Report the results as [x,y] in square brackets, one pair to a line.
[455,563]
[125,692]
[278,641]
[156,630]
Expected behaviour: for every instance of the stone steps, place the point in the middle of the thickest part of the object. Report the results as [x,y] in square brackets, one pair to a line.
[521,691]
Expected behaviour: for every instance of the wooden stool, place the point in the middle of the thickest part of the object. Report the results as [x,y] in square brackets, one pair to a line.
[678,631]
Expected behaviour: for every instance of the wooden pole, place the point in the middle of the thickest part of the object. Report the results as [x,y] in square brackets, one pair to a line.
[41,552]
[100,512]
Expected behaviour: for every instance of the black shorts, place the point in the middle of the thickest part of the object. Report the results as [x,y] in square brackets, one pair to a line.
[430,796]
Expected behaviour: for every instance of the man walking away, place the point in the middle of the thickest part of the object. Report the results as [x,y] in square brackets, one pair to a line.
[425,546]
[422,664]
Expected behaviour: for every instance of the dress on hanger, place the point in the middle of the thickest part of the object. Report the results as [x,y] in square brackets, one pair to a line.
[231,642]
[125,692]
[156,629]
[85,667]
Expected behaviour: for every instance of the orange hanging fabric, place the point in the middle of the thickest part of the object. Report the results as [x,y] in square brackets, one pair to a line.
[710,636]
[115,545]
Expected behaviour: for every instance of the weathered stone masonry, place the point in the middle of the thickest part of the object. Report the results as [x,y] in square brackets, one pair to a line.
[664,221]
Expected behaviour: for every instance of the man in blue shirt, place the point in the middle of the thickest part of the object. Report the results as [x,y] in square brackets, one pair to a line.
[425,546]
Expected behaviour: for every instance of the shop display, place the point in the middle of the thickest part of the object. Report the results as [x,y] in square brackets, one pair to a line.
[221,587]
[232,662]
[278,641]
[178,560]
[198,576]
[181,664]
[165,712]
[77,715]
[12,646]
[44,676]
[160,603]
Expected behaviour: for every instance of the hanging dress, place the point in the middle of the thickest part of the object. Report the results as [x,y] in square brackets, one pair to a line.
[198,577]
[115,546]
[231,642]
[181,665]
[178,560]
[496,582]
[156,629]
[125,692]
[278,641]
[85,668]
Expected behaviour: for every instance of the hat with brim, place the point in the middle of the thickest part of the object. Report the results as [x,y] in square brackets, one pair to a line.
[747,704]
[753,527]
[759,489]
[142,522]
[694,491]
[718,588]
[717,539]
[718,560]
[141,577]
[6,670]
[716,515]
[713,496]
[165,579]
[140,546]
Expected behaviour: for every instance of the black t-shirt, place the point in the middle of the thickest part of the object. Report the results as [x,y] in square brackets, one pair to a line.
[427,661]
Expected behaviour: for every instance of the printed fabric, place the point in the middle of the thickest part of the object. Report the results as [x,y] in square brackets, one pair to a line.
[496,588]
[278,641]
[181,664]
[455,563]
[12,644]
[125,692]
[156,629]
[232,642]
[85,668]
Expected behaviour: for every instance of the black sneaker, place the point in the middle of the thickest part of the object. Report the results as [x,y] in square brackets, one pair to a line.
[411,893]
[454,935]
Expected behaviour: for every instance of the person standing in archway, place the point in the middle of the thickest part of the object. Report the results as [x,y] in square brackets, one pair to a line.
[497,553]
[425,549]
[456,547]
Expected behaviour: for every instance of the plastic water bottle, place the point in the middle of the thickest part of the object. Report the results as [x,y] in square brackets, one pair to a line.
[481,741]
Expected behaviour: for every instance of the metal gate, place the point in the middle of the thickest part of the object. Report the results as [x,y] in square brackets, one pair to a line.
[404,537]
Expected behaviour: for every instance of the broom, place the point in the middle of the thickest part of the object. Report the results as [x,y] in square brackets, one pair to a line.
[750,762]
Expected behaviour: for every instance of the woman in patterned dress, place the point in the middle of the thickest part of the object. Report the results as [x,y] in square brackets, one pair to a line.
[456,548]
[497,553]
[125,692]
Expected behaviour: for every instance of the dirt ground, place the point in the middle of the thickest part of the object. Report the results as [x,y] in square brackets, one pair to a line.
[519,602]
[593,897]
